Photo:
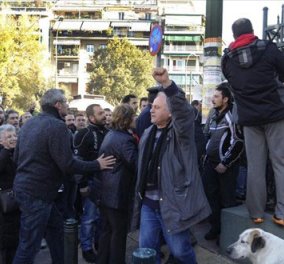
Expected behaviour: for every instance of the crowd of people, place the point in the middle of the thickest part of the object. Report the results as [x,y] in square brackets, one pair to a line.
[160,170]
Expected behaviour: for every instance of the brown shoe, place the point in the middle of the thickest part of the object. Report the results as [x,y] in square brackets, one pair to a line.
[277,220]
[258,220]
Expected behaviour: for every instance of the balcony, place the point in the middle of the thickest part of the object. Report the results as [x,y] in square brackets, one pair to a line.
[68,72]
[182,69]
[177,49]
[66,75]
[64,52]
[191,29]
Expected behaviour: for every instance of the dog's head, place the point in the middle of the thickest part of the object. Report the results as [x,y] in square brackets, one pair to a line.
[249,243]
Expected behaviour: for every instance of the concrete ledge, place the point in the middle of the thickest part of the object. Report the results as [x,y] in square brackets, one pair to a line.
[236,219]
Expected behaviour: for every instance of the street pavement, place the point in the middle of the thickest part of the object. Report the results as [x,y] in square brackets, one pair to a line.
[207,252]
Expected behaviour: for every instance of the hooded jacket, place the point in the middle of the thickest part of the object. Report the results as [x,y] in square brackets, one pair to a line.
[255,72]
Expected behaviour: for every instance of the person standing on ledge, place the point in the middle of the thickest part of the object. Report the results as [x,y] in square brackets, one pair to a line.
[255,70]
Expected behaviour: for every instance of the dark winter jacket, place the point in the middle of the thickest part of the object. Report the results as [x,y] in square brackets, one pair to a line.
[254,72]
[182,200]
[225,140]
[143,120]
[87,143]
[118,183]
[7,168]
[9,222]
[43,156]
[199,135]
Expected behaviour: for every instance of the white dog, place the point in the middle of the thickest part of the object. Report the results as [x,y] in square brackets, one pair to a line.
[258,246]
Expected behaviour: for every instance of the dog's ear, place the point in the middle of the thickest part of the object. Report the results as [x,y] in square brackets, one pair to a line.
[257,243]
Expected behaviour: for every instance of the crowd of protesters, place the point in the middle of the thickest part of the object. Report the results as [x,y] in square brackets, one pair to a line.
[160,170]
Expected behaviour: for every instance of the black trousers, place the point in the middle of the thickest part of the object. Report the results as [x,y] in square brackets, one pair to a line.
[112,243]
[220,190]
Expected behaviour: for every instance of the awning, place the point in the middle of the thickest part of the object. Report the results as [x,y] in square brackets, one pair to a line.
[139,42]
[67,25]
[66,42]
[121,24]
[95,25]
[141,26]
[183,38]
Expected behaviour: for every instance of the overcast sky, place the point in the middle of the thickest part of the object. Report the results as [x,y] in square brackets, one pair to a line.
[252,9]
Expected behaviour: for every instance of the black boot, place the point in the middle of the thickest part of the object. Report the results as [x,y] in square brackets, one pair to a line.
[89,256]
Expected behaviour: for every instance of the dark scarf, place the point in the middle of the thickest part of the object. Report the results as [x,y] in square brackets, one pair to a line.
[151,158]
[243,40]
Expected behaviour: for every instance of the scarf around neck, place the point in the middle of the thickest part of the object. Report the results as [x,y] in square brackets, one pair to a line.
[243,40]
[151,157]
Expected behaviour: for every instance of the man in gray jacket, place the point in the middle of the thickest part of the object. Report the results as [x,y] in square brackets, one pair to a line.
[170,195]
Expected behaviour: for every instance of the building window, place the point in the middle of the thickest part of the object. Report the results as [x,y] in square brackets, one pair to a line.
[90,48]
[148,16]
[103,46]
[190,63]
[121,15]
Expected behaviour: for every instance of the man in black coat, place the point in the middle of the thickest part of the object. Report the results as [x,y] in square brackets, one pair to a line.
[43,156]
[255,70]
[87,143]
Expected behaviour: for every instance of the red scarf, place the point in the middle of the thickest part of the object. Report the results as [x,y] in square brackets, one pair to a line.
[243,40]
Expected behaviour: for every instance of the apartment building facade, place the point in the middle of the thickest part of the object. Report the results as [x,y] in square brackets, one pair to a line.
[72,30]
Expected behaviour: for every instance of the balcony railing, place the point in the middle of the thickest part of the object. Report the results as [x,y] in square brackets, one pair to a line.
[66,73]
[178,48]
[70,52]
[182,68]
[189,28]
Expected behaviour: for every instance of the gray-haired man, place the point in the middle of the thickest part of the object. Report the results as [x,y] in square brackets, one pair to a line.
[43,156]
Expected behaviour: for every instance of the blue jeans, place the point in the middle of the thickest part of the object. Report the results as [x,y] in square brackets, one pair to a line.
[89,219]
[151,226]
[39,219]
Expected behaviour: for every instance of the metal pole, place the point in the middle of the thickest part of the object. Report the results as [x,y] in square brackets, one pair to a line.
[56,84]
[186,60]
[214,18]
[190,86]
[282,25]
[71,241]
[212,52]
[60,19]
[159,55]
[186,75]
[264,23]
